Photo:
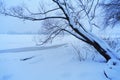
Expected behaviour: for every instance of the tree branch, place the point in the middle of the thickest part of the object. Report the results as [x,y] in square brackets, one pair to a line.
[74,35]
[32,18]
[41,12]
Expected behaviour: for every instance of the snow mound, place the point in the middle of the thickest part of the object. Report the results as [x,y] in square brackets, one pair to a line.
[112,69]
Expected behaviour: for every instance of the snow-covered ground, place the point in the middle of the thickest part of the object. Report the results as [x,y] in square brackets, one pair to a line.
[22,58]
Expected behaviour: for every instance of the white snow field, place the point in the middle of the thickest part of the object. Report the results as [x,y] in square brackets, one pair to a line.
[21,58]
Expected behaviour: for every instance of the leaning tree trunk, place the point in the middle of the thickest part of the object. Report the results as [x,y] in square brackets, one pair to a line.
[100,45]
[101,50]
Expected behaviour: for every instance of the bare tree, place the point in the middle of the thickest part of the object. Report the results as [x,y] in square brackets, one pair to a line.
[112,12]
[73,16]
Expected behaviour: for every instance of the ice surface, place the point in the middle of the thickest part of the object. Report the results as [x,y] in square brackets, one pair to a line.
[57,63]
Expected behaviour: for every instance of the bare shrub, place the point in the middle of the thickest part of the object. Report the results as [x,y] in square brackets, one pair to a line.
[85,52]
[114,43]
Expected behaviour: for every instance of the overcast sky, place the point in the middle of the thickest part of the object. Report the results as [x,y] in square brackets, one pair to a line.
[10,24]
